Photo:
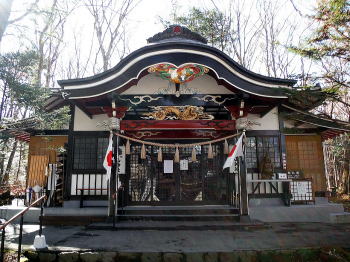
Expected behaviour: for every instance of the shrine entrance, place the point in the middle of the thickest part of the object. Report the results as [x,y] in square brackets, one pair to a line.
[190,181]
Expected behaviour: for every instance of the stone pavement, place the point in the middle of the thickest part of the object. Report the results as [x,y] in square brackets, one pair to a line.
[279,236]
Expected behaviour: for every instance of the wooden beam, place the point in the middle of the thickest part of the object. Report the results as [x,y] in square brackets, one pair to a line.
[244,190]
[132,125]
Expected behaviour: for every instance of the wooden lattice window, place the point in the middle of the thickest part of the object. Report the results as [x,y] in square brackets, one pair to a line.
[258,147]
[89,152]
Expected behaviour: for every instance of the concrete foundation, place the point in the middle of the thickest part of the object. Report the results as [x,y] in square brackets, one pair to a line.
[269,210]
[265,210]
[32,216]
[340,217]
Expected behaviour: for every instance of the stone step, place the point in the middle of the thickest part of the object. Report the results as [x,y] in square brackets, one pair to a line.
[180,210]
[182,217]
[178,225]
[55,220]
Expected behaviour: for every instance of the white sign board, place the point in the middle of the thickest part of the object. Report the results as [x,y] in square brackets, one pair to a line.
[184,164]
[168,166]
[282,175]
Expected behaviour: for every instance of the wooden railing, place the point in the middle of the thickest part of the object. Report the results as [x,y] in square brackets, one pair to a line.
[21,215]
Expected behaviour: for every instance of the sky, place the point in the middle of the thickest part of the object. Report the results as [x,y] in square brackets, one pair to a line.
[143,22]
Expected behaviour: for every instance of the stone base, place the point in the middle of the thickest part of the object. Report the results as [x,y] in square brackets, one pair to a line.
[340,217]
[304,254]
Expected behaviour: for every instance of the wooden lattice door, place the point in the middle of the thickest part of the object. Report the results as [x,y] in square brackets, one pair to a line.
[191,182]
[304,153]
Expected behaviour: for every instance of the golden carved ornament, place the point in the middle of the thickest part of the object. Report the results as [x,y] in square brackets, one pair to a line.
[178,113]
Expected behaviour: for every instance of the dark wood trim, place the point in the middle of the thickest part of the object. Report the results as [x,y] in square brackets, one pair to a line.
[266,195]
[91,133]
[89,171]
[127,179]
[283,150]
[262,133]
[243,184]
[90,197]
[58,132]
[70,154]
[177,203]
[132,125]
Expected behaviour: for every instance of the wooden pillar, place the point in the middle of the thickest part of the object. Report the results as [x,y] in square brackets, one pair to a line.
[126,181]
[244,192]
[283,149]
[70,151]
[112,197]
[176,173]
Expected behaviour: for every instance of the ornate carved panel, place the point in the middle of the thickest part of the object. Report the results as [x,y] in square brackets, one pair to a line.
[177,113]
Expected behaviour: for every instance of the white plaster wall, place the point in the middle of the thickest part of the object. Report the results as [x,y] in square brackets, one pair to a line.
[267,122]
[83,123]
[152,84]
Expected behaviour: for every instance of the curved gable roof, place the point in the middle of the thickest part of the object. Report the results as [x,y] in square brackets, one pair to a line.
[124,74]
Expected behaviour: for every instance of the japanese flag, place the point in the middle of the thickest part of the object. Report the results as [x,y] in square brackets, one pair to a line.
[236,151]
[108,161]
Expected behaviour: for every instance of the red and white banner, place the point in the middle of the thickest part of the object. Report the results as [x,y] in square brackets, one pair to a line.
[236,151]
[108,161]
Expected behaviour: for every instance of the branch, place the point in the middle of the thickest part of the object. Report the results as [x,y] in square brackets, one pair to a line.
[30,9]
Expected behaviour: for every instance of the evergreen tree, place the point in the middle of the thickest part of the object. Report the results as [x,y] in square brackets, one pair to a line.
[22,105]
[329,45]
[210,23]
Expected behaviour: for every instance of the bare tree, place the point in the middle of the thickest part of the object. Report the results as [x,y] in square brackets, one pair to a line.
[110,17]
[277,59]
[5,11]
[38,67]
[49,39]
[245,36]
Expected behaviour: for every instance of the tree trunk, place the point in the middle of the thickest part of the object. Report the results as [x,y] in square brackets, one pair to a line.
[5,11]
[19,160]
[6,177]
[2,157]
[344,188]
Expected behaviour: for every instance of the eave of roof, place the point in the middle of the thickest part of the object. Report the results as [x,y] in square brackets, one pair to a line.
[315,120]
[164,52]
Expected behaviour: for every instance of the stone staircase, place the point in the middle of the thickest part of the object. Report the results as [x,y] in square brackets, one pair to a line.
[179,213]
[204,217]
